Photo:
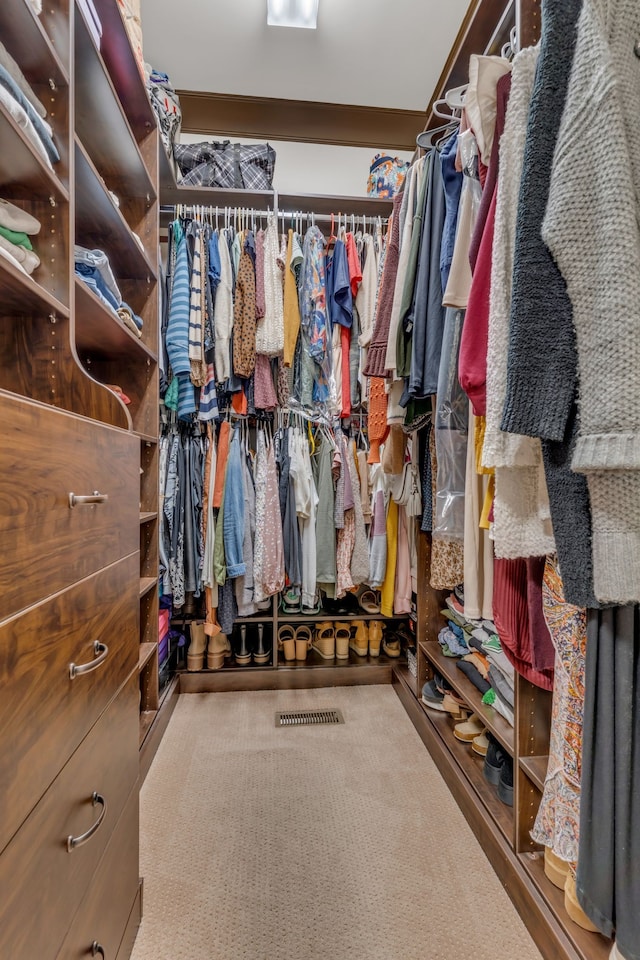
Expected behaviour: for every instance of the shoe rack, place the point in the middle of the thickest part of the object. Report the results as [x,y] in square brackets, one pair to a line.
[281,674]
[503,831]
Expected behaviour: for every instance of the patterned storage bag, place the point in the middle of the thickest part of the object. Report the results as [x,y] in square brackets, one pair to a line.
[232,166]
[386,176]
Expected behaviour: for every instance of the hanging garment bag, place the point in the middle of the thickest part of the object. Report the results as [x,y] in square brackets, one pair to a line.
[233,166]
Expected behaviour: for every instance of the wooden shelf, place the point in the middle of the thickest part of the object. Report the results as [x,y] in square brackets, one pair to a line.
[101,122]
[217,197]
[446,666]
[119,58]
[145,437]
[315,660]
[472,765]
[589,946]
[536,769]
[23,175]
[26,39]
[101,224]
[146,719]
[100,332]
[147,651]
[318,203]
[145,517]
[20,295]
[147,584]
[322,616]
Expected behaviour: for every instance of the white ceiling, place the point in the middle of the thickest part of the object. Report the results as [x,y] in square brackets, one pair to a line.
[379,53]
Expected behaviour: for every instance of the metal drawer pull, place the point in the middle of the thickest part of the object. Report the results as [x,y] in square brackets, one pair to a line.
[102,652]
[96,497]
[97,948]
[73,842]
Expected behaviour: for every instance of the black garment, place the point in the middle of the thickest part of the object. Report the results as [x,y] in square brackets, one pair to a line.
[608,880]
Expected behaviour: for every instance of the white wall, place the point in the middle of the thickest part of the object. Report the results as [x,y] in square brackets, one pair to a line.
[316,168]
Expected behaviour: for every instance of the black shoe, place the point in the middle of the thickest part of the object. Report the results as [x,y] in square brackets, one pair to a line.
[494,761]
[505,784]
[241,650]
[261,652]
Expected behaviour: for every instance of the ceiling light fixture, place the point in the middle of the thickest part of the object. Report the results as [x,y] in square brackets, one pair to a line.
[293,13]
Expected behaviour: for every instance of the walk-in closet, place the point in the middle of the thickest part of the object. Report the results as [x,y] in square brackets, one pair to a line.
[319,630]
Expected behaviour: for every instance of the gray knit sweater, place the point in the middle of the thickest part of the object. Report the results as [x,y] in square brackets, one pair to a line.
[592,227]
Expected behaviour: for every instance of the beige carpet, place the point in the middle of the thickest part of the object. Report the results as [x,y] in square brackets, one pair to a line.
[316,843]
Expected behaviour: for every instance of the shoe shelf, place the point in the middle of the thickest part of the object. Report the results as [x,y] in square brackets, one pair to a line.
[535,769]
[146,584]
[446,666]
[334,617]
[147,516]
[587,945]
[315,660]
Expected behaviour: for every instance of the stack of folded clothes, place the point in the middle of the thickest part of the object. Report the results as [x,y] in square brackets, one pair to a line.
[93,267]
[16,228]
[19,100]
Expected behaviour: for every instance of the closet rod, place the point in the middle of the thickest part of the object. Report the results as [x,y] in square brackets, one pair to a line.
[281,214]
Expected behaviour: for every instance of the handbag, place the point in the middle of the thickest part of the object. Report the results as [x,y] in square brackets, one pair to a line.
[386,176]
[231,166]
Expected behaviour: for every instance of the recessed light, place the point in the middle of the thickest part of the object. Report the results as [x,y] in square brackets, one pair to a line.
[293,13]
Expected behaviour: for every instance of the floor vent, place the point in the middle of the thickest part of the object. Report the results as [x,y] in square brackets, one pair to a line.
[299,718]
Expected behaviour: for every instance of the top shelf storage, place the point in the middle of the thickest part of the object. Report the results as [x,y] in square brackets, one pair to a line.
[102,122]
[118,55]
[29,43]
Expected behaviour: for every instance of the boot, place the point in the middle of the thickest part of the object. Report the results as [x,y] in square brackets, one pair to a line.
[242,651]
[360,643]
[304,639]
[195,653]
[343,636]
[375,638]
[325,641]
[261,653]
[218,648]
[391,644]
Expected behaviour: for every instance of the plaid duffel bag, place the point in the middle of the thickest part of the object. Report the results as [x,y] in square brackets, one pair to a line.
[232,166]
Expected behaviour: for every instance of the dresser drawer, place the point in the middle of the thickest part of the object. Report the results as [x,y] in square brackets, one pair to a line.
[42,881]
[104,912]
[44,713]
[47,454]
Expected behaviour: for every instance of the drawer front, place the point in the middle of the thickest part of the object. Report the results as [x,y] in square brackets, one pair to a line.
[40,879]
[104,912]
[47,454]
[44,713]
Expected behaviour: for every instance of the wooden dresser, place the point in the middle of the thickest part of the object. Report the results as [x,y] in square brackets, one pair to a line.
[78,494]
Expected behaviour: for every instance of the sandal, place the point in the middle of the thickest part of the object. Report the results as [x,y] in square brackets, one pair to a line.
[369,601]
[324,642]
[287,641]
[304,641]
[343,636]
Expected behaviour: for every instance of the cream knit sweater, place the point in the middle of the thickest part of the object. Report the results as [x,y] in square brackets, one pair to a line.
[270,329]
[522,526]
[592,228]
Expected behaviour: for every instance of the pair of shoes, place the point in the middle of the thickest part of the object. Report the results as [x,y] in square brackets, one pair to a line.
[244,652]
[367,639]
[498,770]
[294,642]
[331,640]
[291,601]
[394,639]
[369,601]
[432,697]
[217,647]
[469,730]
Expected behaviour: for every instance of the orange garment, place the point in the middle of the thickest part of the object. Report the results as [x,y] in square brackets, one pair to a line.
[291,307]
[239,402]
[353,261]
[378,427]
[221,463]
[345,338]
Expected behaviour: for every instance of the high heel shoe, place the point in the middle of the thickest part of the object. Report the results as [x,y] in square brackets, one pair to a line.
[343,636]
[242,651]
[262,653]
[287,641]
[375,638]
[360,642]
[324,641]
[304,640]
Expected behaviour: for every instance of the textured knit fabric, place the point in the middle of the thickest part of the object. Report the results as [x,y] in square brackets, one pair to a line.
[270,330]
[592,227]
[259,274]
[378,426]
[541,372]
[377,352]
[522,522]
[511,617]
[608,879]
[244,318]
